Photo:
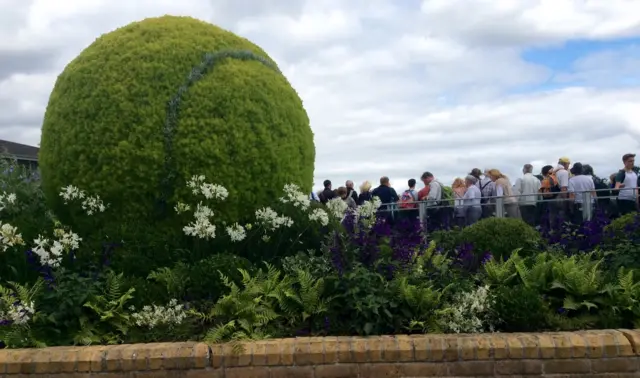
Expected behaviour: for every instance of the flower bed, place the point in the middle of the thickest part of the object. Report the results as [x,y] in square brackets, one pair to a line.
[595,353]
[297,268]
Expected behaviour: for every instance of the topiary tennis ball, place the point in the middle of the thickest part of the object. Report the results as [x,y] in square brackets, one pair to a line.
[149,105]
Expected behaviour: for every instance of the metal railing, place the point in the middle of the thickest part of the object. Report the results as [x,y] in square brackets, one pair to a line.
[586,202]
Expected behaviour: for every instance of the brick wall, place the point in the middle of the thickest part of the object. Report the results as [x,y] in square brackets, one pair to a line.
[608,353]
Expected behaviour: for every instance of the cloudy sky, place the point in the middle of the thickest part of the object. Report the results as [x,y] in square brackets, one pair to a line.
[392,87]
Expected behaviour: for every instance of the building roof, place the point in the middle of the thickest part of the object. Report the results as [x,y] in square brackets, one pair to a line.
[19,151]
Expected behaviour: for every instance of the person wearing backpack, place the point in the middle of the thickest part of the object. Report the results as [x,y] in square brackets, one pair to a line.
[487,189]
[626,186]
[408,203]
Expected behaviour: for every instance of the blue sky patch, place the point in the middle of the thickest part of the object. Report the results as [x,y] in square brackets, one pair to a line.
[560,58]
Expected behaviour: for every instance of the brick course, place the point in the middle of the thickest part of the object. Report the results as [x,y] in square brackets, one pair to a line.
[605,353]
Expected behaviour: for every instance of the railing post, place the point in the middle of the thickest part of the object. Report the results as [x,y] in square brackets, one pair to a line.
[422,210]
[586,206]
[499,207]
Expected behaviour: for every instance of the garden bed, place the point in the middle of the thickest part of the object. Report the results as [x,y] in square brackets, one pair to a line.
[586,353]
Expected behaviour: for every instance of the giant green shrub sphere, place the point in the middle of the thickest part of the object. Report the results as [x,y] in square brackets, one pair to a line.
[147,106]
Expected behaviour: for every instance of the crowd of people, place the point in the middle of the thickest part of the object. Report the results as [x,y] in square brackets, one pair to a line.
[554,195]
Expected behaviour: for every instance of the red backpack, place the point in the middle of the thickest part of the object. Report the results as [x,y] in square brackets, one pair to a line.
[407,200]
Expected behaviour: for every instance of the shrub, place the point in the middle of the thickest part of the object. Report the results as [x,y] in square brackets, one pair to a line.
[520,309]
[627,227]
[148,105]
[500,236]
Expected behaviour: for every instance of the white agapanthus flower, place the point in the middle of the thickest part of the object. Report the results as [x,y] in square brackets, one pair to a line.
[182,208]
[270,220]
[294,196]
[337,207]
[90,204]
[9,236]
[369,208]
[236,232]
[199,186]
[7,199]
[50,252]
[320,216]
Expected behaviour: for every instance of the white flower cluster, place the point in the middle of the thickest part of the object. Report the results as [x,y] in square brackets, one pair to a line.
[18,313]
[270,220]
[236,232]
[294,196]
[319,215]
[369,208]
[90,204]
[7,199]
[50,251]
[9,236]
[201,227]
[470,312]
[182,207]
[337,207]
[153,316]
[209,191]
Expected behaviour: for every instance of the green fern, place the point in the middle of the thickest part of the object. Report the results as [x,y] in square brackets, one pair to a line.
[501,272]
[174,279]
[422,301]
[19,335]
[113,320]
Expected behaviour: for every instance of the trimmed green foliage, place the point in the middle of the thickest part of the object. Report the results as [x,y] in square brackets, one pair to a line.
[501,236]
[623,229]
[150,104]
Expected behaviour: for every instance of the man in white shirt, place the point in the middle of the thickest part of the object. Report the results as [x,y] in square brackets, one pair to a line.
[578,185]
[627,186]
[527,189]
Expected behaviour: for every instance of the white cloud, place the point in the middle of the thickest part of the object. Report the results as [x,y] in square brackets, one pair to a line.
[392,88]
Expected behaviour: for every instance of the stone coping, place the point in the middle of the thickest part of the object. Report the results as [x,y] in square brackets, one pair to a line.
[588,353]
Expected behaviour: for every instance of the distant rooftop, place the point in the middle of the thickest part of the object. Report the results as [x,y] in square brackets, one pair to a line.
[19,151]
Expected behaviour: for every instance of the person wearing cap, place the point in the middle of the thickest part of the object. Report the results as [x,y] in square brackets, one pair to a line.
[562,175]
[626,184]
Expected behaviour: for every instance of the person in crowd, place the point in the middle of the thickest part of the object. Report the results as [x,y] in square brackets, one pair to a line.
[435,212]
[626,185]
[326,194]
[365,193]
[487,189]
[562,175]
[459,187]
[385,192]
[343,193]
[387,195]
[314,197]
[548,192]
[578,185]
[504,190]
[527,188]
[408,201]
[351,191]
[603,192]
[472,198]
